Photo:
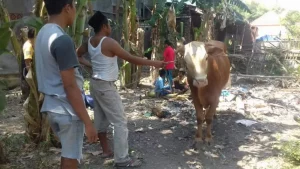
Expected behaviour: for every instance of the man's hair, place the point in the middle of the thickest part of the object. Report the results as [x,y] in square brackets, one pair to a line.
[167,42]
[97,21]
[162,72]
[31,33]
[183,72]
[54,7]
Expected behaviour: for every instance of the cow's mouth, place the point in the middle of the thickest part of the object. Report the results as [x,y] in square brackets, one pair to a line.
[200,82]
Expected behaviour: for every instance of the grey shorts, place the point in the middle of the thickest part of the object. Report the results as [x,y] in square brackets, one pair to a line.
[70,133]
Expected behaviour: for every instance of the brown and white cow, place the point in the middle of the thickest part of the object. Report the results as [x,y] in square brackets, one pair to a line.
[208,70]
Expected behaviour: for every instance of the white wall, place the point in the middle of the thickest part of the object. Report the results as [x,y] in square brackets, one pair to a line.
[272,30]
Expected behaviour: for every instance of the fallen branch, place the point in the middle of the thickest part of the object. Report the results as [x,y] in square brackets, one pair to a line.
[261,76]
[238,56]
[276,105]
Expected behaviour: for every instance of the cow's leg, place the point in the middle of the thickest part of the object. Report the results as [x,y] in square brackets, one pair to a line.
[209,115]
[200,120]
[199,113]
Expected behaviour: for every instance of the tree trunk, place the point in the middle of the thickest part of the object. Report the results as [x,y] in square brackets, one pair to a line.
[140,47]
[155,43]
[126,68]
[3,158]
[206,26]
[171,23]
[39,8]
[133,41]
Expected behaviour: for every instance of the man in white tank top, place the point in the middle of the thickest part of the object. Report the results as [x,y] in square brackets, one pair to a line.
[108,106]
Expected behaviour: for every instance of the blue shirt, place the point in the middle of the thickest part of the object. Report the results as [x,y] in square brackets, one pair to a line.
[159,85]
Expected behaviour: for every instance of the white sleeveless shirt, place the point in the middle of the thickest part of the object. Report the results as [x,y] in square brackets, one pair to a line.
[104,67]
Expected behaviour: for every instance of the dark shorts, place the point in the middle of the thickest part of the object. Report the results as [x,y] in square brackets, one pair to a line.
[179,86]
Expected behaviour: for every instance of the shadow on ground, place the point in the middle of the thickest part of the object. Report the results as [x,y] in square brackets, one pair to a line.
[160,143]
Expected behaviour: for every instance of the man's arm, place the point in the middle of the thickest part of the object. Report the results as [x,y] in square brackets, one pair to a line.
[28,53]
[28,63]
[166,54]
[173,81]
[83,49]
[117,50]
[186,81]
[64,53]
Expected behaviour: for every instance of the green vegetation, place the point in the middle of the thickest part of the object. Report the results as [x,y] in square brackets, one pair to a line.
[291,150]
[257,10]
[292,23]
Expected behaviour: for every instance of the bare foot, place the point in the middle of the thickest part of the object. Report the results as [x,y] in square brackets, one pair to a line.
[107,155]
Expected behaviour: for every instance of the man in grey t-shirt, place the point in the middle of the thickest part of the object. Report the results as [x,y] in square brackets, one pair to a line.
[60,81]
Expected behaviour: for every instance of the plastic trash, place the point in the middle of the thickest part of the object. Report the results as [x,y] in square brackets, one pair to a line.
[245,122]
[225,93]
[226,96]
[148,114]
[243,90]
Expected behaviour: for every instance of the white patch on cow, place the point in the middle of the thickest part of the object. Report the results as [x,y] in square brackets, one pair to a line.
[195,57]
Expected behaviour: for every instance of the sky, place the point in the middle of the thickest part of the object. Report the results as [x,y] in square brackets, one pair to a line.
[286,4]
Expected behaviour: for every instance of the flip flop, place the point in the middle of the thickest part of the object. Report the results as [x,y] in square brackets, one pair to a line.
[133,163]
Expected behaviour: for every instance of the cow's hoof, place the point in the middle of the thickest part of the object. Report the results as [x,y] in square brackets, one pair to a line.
[215,116]
[198,140]
[194,146]
[208,141]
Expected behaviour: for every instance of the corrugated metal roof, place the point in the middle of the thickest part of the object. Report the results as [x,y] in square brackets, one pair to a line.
[189,3]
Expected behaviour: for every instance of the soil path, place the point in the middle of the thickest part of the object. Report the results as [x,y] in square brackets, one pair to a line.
[167,143]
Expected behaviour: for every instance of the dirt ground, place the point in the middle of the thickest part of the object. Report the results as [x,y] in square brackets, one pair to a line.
[167,143]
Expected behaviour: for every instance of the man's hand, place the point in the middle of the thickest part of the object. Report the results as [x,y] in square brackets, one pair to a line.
[158,64]
[91,133]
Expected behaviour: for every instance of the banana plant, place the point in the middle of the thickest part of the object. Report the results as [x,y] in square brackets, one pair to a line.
[37,129]
[130,73]
[3,85]
[78,27]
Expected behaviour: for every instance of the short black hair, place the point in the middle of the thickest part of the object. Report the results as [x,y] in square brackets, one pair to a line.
[162,72]
[167,42]
[31,33]
[183,72]
[97,21]
[54,7]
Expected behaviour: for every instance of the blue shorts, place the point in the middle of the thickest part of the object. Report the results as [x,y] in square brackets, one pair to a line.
[70,133]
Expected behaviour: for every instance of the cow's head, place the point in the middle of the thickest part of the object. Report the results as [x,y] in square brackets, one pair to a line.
[196,62]
[213,47]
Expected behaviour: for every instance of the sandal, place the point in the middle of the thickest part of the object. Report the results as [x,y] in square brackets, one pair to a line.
[110,155]
[129,164]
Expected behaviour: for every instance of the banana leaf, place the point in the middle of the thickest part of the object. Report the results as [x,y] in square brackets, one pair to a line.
[5,36]
[32,21]
[3,85]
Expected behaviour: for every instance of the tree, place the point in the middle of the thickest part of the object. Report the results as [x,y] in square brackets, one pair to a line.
[292,23]
[225,9]
[130,73]
[161,30]
[257,10]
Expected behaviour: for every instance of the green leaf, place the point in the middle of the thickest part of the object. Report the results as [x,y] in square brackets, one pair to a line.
[3,51]
[2,101]
[148,50]
[3,84]
[33,21]
[5,35]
